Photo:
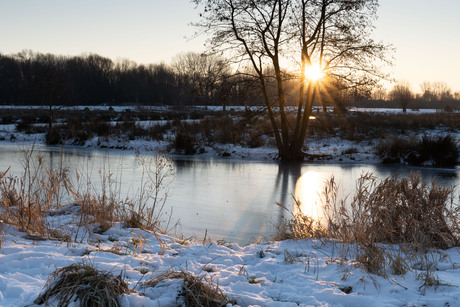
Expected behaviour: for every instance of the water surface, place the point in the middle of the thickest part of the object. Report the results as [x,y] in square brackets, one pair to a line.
[232,200]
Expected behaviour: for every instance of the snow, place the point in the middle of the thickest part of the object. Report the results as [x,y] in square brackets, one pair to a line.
[286,273]
[330,149]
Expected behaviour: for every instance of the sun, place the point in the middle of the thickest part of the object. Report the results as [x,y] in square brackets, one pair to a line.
[314,72]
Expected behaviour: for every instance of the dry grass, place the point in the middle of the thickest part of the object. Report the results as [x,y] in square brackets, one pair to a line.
[387,226]
[395,210]
[83,283]
[298,226]
[26,199]
[196,291]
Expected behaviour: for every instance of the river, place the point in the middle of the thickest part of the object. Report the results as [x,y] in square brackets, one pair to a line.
[228,199]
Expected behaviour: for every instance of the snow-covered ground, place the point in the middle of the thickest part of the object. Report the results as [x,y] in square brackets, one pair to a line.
[285,273]
[332,149]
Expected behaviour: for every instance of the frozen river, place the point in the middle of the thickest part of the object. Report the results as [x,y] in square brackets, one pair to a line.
[232,200]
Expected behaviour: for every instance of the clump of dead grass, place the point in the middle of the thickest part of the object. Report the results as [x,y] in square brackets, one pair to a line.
[386,226]
[298,226]
[396,211]
[83,283]
[196,290]
[25,198]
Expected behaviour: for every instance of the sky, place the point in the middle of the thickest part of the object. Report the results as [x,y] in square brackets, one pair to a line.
[424,33]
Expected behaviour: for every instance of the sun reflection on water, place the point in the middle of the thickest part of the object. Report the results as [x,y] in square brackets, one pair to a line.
[308,194]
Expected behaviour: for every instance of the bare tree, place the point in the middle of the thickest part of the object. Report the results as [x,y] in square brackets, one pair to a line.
[204,73]
[435,91]
[402,93]
[457,95]
[379,94]
[284,39]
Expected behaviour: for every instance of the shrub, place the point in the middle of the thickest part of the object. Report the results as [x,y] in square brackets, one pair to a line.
[439,151]
[25,124]
[442,150]
[255,140]
[395,150]
[53,136]
[184,143]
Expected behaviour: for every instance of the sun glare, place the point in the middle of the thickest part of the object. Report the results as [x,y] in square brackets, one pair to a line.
[314,72]
[307,192]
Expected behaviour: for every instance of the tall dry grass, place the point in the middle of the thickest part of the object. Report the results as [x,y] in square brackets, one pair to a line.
[395,210]
[387,226]
[28,198]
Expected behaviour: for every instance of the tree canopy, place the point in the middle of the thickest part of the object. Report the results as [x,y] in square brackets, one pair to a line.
[281,40]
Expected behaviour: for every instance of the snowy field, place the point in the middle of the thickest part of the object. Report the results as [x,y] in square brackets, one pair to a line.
[212,108]
[286,273]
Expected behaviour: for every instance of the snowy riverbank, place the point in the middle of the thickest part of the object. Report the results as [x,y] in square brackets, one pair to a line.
[286,273]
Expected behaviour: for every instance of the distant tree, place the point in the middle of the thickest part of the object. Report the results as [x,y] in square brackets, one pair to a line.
[204,74]
[379,94]
[281,40]
[436,91]
[402,93]
[457,95]
[10,80]
[164,84]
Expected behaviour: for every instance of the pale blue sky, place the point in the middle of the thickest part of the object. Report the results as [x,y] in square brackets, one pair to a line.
[425,33]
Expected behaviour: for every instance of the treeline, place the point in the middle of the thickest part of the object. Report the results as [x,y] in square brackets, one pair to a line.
[30,78]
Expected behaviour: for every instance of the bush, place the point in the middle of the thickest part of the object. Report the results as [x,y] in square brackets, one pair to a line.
[184,143]
[25,124]
[53,136]
[439,151]
[395,150]
[442,150]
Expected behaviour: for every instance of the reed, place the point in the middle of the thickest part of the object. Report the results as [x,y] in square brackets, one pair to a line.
[387,225]
[28,198]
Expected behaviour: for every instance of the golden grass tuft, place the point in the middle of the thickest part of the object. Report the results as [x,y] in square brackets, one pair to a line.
[299,226]
[83,283]
[196,290]
[396,211]
[386,225]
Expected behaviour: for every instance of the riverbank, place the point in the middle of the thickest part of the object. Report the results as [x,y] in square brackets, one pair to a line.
[99,231]
[327,150]
[355,136]
[285,273]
